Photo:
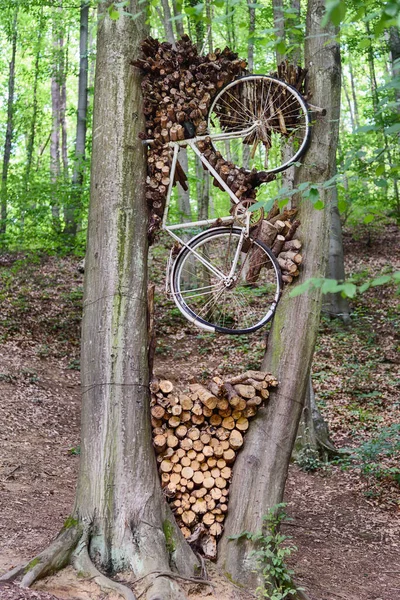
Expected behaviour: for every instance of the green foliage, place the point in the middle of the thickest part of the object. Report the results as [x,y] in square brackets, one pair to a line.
[271,550]
[308,459]
[379,457]
[347,289]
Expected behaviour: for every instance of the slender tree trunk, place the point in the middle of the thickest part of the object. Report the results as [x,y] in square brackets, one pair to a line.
[71,213]
[351,111]
[209,15]
[63,105]
[354,95]
[10,126]
[279,26]
[32,132]
[169,32]
[295,54]
[252,28]
[177,8]
[261,468]
[334,304]
[394,46]
[118,483]
[55,167]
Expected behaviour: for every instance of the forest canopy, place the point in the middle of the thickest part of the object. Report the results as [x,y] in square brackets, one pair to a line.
[46,86]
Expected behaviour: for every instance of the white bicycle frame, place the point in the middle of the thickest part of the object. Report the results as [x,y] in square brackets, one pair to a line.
[228,220]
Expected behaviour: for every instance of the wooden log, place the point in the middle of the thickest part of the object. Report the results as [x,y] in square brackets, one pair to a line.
[166,386]
[160,443]
[278,244]
[292,245]
[236,439]
[246,391]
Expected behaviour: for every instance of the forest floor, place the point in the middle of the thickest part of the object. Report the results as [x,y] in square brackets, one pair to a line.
[345,515]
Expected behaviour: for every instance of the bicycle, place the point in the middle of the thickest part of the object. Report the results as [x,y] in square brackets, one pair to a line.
[225,279]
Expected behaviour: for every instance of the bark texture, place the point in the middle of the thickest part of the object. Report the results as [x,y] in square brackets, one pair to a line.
[10,126]
[261,469]
[334,304]
[118,488]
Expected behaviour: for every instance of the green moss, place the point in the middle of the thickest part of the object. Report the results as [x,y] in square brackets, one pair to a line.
[32,564]
[70,522]
[168,530]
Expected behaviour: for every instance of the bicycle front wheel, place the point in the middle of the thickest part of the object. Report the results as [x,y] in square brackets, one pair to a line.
[280,118]
[212,297]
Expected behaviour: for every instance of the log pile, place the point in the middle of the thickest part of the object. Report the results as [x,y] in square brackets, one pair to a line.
[178,86]
[197,435]
[278,232]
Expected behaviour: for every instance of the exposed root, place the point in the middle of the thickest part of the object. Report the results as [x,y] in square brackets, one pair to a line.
[14,573]
[83,563]
[54,558]
[162,588]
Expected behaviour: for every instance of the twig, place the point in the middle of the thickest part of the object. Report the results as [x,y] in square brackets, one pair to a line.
[12,472]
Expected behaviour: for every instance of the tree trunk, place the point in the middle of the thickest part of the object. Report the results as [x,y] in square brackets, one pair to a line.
[55,168]
[10,127]
[261,469]
[32,132]
[169,32]
[334,304]
[71,214]
[394,46]
[279,26]
[177,8]
[118,483]
[313,432]
[354,95]
[252,28]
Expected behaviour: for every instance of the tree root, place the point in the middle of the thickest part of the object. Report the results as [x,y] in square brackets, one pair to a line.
[53,559]
[14,573]
[82,562]
[71,548]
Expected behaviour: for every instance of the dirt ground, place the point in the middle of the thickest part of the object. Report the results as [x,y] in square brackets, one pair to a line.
[347,530]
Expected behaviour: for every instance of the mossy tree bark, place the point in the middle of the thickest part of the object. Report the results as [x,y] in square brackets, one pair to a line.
[120,521]
[261,469]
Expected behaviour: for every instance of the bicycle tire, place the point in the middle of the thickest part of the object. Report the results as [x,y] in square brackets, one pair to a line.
[239,309]
[281,113]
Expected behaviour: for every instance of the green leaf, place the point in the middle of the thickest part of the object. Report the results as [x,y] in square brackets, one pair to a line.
[364,287]
[364,43]
[113,14]
[349,290]
[380,169]
[369,218]
[342,205]
[281,47]
[303,186]
[393,128]
[381,183]
[381,280]
[331,286]
[305,286]
[366,129]
[319,205]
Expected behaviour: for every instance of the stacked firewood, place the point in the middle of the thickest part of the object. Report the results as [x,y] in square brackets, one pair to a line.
[197,435]
[177,86]
[295,75]
[278,232]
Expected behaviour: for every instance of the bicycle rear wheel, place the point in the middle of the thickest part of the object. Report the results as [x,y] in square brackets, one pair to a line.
[205,299]
[279,113]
